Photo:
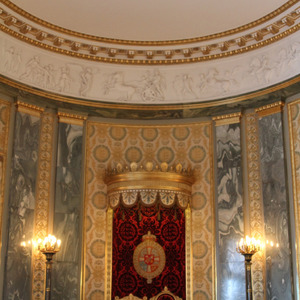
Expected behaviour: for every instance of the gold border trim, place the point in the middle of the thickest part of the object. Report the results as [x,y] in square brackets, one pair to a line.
[270,109]
[227,119]
[295,189]
[84,218]
[71,118]
[204,104]
[42,201]
[188,254]
[108,254]
[168,53]
[255,201]
[213,215]
[5,144]
[29,109]
[51,26]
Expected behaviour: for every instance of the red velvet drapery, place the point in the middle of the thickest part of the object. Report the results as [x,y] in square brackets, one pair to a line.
[129,225]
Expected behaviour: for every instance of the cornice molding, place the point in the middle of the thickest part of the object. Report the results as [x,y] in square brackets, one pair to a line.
[227,119]
[186,51]
[59,29]
[71,118]
[270,109]
[163,84]
[30,109]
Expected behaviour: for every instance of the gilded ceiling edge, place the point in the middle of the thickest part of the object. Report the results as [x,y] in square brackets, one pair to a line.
[108,54]
[39,21]
[209,103]
[149,61]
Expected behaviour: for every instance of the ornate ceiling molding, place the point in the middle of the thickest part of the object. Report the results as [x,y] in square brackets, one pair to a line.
[59,29]
[186,51]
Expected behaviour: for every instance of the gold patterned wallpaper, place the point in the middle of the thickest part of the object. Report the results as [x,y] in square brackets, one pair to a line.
[107,145]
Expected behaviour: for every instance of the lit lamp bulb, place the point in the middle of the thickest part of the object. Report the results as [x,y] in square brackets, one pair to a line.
[49,245]
[248,246]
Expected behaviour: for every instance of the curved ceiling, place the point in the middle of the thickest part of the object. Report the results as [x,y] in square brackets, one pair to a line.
[149,53]
[146,20]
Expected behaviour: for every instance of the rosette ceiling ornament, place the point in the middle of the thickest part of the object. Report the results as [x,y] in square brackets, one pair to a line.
[147,185]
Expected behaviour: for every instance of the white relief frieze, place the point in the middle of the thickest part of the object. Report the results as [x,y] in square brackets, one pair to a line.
[64,82]
[33,71]
[86,76]
[115,83]
[215,80]
[184,85]
[260,68]
[12,60]
[150,88]
[150,85]
[153,86]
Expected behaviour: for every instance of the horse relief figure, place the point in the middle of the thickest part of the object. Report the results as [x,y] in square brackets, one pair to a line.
[115,83]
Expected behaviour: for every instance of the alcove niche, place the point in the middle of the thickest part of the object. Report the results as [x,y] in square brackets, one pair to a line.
[150,240]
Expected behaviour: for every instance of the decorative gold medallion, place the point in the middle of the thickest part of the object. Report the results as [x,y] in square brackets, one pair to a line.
[149,258]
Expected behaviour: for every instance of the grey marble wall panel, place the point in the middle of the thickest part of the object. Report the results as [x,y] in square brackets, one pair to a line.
[17,282]
[66,272]
[231,272]
[278,259]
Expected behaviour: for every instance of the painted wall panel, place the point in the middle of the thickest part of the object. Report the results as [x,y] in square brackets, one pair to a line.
[278,259]
[229,212]
[21,206]
[67,269]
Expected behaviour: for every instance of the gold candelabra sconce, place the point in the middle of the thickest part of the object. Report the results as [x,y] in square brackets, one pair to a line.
[50,244]
[248,247]
[47,246]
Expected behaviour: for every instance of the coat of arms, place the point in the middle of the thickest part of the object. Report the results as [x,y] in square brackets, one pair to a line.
[149,258]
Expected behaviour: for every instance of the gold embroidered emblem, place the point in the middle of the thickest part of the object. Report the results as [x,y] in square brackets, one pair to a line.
[149,258]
